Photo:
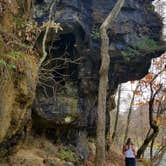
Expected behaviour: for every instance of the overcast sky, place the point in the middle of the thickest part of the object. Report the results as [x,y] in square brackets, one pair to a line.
[160,6]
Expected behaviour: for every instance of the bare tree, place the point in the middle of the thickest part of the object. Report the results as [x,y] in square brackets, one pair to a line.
[103,81]
[152,122]
[48,25]
[117,114]
[129,114]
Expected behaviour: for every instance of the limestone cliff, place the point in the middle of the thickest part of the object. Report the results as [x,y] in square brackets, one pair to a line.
[134,41]
[63,91]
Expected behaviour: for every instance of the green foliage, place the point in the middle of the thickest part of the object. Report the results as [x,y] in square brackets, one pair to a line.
[3,62]
[8,65]
[144,45]
[67,155]
[12,66]
[19,22]
[130,52]
[95,34]
[150,7]
[10,59]
[15,54]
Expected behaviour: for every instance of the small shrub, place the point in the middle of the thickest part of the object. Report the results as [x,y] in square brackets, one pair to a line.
[3,62]
[130,52]
[10,66]
[146,44]
[67,155]
[95,34]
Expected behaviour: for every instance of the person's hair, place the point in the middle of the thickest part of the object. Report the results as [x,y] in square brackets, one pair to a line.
[128,143]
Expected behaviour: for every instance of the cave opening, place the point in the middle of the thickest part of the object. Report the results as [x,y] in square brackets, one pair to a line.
[57,90]
[65,57]
[57,98]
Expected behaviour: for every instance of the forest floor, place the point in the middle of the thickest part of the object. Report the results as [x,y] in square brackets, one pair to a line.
[42,152]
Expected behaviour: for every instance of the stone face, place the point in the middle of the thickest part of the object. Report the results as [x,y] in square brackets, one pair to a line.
[18,77]
[134,41]
[18,95]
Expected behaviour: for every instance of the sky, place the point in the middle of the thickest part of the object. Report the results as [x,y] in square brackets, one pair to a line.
[160,7]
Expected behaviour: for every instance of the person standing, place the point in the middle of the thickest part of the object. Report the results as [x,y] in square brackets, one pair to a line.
[129,153]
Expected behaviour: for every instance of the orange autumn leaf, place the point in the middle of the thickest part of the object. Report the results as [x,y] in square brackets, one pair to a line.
[157,100]
[157,120]
[136,92]
[149,76]
[20,68]
[141,103]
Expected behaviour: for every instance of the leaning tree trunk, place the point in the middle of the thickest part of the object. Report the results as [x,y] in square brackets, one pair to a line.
[103,81]
[146,142]
[117,115]
[159,156]
[129,114]
[154,126]
[153,135]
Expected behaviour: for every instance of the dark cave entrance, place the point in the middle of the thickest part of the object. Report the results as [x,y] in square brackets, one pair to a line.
[57,90]
[67,56]
[57,93]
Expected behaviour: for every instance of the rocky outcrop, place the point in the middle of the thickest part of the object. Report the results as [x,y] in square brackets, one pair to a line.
[66,93]
[134,41]
[18,92]
[18,76]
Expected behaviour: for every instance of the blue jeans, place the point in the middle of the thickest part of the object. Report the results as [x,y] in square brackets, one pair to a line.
[130,162]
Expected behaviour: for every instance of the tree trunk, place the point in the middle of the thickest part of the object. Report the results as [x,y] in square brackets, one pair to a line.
[147,141]
[103,81]
[159,156]
[129,115]
[152,123]
[151,149]
[100,154]
[117,114]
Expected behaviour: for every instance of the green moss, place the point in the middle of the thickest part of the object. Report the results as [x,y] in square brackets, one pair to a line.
[67,155]
[15,54]
[9,66]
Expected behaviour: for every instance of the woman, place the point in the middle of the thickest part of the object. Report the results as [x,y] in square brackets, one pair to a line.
[130,153]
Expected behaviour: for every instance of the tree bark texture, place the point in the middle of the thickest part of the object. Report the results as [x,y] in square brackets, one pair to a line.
[117,114]
[103,83]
